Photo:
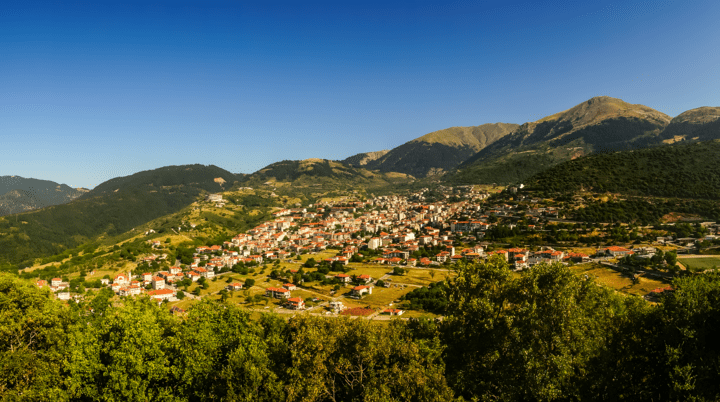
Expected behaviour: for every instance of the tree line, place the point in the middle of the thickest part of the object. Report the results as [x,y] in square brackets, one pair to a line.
[545,335]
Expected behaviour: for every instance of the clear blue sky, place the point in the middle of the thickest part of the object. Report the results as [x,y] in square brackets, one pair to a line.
[99,89]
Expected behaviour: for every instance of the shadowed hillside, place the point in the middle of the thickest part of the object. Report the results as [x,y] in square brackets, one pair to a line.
[18,194]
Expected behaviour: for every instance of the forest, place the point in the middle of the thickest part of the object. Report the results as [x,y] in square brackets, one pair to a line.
[543,335]
[677,170]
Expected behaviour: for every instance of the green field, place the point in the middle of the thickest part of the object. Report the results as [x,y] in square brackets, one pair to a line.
[700,263]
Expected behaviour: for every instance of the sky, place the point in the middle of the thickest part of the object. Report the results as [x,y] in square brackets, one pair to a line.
[94,90]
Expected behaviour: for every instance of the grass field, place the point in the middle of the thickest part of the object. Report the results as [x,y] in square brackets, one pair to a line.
[618,281]
[700,263]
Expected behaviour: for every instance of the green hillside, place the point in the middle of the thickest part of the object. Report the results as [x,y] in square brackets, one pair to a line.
[112,208]
[679,170]
[601,124]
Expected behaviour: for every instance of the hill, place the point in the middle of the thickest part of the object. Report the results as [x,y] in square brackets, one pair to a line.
[601,124]
[310,179]
[112,208]
[678,170]
[364,158]
[436,152]
[699,124]
[323,172]
[19,194]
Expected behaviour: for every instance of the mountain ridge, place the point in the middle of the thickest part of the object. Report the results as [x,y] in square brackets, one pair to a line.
[436,152]
[600,124]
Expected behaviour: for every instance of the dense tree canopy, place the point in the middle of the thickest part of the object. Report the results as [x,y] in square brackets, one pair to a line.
[545,335]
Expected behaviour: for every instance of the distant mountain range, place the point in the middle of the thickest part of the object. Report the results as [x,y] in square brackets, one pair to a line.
[510,153]
[598,144]
[19,194]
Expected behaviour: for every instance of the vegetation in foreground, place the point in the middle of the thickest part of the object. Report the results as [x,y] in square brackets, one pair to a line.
[545,335]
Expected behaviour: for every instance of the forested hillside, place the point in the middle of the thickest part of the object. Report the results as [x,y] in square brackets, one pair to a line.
[110,209]
[543,335]
[678,170]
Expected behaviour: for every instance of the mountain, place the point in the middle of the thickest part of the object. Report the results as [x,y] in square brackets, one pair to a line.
[699,124]
[19,194]
[323,173]
[685,170]
[113,207]
[434,153]
[601,124]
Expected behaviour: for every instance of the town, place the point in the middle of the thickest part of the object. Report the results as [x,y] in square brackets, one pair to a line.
[330,256]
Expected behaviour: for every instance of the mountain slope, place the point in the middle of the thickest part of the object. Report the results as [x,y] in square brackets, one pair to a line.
[19,194]
[113,207]
[700,124]
[678,170]
[601,124]
[437,152]
[322,172]
[362,159]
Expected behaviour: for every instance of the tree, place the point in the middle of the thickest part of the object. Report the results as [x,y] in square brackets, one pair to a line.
[180,295]
[380,283]
[33,341]
[671,258]
[525,339]
[349,360]
[249,283]
[223,295]
[398,271]
[310,263]
[106,363]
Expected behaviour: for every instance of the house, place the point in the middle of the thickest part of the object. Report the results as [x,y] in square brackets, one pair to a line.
[175,270]
[147,277]
[296,303]
[121,280]
[337,306]
[365,278]
[393,311]
[104,281]
[194,276]
[358,291]
[235,286]
[162,294]
[615,251]
[40,283]
[277,293]
[344,278]
[158,283]
[63,296]
[289,286]
[55,282]
[130,291]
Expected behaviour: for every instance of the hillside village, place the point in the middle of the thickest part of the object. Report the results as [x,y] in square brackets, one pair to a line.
[426,230]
